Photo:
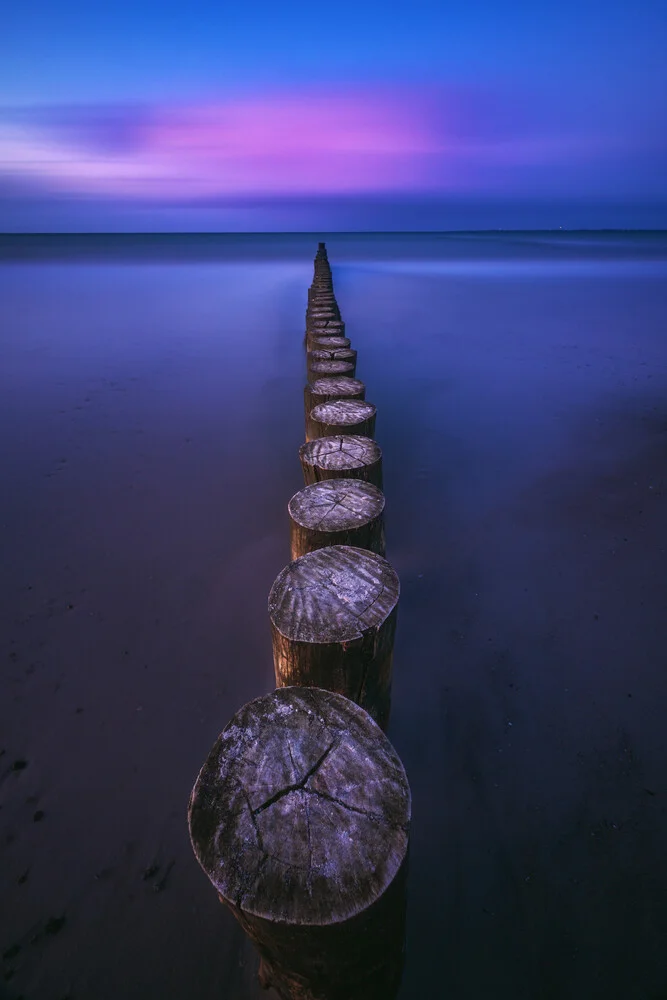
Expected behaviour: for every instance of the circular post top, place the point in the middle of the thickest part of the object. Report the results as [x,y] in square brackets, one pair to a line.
[336,504]
[329,343]
[300,814]
[343,411]
[321,369]
[332,595]
[340,384]
[341,451]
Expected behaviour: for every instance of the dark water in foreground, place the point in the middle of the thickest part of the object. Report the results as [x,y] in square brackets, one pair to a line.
[151,408]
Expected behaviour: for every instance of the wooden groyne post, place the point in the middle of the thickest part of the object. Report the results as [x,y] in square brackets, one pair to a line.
[341,416]
[342,456]
[333,621]
[337,512]
[300,819]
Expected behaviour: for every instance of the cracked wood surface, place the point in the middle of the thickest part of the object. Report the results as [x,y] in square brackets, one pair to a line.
[325,343]
[300,814]
[341,456]
[328,311]
[341,416]
[333,621]
[330,369]
[337,512]
[331,354]
[324,389]
[319,328]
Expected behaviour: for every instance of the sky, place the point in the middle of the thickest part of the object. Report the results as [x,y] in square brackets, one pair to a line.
[146,116]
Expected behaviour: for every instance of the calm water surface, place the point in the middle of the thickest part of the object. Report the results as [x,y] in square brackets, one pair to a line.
[151,412]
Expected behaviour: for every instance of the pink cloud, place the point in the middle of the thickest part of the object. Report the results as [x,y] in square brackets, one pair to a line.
[282,145]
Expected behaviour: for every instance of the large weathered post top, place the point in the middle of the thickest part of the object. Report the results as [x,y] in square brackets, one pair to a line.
[300,819]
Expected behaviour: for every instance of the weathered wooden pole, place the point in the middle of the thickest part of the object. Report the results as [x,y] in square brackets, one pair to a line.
[341,416]
[315,305]
[342,456]
[324,343]
[339,354]
[319,303]
[320,322]
[300,818]
[330,311]
[330,369]
[332,354]
[337,512]
[333,619]
[324,389]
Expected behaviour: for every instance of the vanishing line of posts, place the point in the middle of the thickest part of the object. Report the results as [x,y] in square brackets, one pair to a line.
[300,815]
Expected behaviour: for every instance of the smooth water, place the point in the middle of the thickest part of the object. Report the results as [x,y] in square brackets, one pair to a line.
[151,410]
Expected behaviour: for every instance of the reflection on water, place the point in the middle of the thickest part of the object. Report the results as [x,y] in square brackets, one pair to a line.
[151,396]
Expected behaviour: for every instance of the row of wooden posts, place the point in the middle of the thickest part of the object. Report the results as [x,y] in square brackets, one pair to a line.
[300,815]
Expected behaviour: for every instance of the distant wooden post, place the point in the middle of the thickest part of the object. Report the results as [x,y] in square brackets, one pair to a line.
[333,620]
[332,354]
[334,326]
[341,416]
[324,389]
[343,456]
[300,818]
[328,311]
[326,343]
[330,369]
[337,512]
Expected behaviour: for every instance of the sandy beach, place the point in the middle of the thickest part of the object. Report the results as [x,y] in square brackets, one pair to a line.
[151,415]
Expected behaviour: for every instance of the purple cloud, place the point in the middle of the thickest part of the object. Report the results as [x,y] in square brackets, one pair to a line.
[291,144]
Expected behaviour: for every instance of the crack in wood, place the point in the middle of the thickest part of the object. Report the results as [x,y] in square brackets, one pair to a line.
[297,786]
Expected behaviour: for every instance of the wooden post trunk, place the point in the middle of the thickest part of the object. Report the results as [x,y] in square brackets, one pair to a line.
[330,369]
[342,456]
[300,818]
[341,416]
[337,512]
[333,621]
[325,389]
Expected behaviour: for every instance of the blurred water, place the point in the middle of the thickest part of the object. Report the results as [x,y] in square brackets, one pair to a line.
[151,406]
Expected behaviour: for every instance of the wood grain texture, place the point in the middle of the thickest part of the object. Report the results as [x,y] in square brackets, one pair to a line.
[330,310]
[337,512]
[341,456]
[332,354]
[333,620]
[324,322]
[327,343]
[330,369]
[300,818]
[324,389]
[341,416]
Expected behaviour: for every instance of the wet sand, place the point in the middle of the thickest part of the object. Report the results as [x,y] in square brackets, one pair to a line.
[152,414]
